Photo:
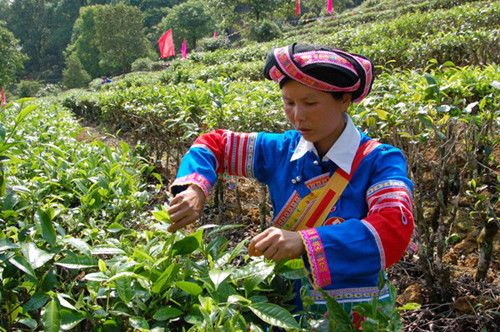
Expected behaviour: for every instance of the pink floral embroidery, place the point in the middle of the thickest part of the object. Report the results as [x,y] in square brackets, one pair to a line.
[276,74]
[307,58]
[196,179]
[317,257]
[286,64]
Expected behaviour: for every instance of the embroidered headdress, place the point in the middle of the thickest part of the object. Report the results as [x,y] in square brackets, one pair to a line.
[322,68]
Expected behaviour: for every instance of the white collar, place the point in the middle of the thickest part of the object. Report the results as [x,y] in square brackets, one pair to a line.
[342,151]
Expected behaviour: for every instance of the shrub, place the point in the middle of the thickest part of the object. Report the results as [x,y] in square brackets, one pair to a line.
[75,76]
[212,44]
[28,88]
[264,31]
[49,90]
[142,64]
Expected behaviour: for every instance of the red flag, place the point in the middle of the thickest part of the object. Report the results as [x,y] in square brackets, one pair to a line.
[216,34]
[297,7]
[329,7]
[166,44]
[184,49]
[4,100]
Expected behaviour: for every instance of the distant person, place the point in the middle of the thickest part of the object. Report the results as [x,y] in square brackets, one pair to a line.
[342,201]
[105,79]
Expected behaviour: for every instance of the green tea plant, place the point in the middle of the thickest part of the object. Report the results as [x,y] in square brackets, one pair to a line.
[79,249]
[441,106]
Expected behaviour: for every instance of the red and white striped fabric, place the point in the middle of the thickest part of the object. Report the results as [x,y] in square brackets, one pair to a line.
[237,156]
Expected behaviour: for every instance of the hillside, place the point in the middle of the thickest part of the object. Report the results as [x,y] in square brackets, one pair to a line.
[84,179]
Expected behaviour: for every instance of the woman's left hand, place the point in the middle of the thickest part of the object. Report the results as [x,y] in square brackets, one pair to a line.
[276,244]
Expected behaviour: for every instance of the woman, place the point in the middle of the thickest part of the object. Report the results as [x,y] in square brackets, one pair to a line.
[341,200]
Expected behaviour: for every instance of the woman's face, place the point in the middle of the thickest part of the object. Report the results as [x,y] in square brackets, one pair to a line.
[317,115]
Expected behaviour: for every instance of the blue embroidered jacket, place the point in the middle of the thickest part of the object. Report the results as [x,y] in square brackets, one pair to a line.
[367,230]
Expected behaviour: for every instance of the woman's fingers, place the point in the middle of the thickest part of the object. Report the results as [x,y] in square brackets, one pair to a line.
[270,251]
[186,207]
[261,242]
[183,222]
[276,244]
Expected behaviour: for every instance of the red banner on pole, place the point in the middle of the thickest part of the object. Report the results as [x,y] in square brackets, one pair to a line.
[329,7]
[297,7]
[166,44]
[4,100]
[184,49]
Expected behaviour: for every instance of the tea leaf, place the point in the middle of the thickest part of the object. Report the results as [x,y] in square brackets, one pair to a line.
[188,244]
[162,280]
[410,306]
[107,251]
[165,313]
[124,289]
[63,302]
[139,323]
[51,318]
[189,287]
[22,264]
[70,319]
[218,277]
[25,112]
[274,315]
[5,245]
[45,224]
[77,262]
[78,244]
[36,257]
[37,301]
[97,276]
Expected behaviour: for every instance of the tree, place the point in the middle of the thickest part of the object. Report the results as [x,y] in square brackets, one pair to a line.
[31,35]
[108,38]
[11,59]
[75,76]
[120,37]
[61,16]
[190,20]
[44,29]
[84,42]
[261,9]
[153,10]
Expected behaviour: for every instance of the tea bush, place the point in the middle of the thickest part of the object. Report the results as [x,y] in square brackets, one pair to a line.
[79,249]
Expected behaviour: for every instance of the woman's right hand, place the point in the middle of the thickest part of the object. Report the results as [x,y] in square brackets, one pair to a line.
[186,207]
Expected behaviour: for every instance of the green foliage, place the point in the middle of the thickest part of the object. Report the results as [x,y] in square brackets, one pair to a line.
[119,37]
[183,17]
[153,10]
[264,31]
[75,76]
[108,39]
[146,64]
[84,42]
[79,248]
[11,61]
[440,31]
[49,90]
[26,88]
[44,29]
[211,44]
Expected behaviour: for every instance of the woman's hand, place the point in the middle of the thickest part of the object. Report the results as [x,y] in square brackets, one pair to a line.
[276,244]
[186,207]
